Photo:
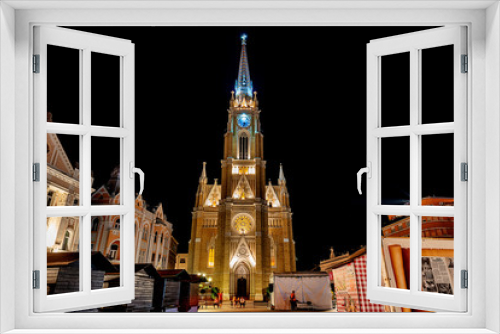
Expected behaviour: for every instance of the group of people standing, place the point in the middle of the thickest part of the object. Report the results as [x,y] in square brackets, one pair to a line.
[238,302]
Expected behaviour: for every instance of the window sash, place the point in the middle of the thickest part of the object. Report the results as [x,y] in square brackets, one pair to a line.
[86,43]
[413,298]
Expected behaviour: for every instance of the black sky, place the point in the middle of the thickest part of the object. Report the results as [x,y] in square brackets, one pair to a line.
[311,83]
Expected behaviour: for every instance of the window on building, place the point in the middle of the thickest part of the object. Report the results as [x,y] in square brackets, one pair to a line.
[95,224]
[182,260]
[273,254]
[113,250]
[243,146]
[211,257]
[117,224]
[156,236]
[153,257]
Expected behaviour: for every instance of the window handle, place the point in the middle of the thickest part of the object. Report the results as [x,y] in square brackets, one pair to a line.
[368,171]
[141,176]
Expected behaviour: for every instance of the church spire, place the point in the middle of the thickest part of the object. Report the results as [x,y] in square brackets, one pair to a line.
[244,85]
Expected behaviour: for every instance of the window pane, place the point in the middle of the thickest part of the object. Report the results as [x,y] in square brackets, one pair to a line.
[63,255]
[63,84]
[437,254]
[105,90]
[437,84]
[63,170]
[437,169]
[395,89]
[106,170]
[105,251]
[395,263]
[395,183]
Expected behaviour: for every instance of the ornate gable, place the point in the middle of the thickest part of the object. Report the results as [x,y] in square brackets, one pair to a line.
[243,253]
[243,189]
[271,196]
[213,198]
[57,157]
[101,196]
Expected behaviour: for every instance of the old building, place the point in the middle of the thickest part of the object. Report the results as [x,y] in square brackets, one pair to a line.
[153,233]
[242,227]
[154,242]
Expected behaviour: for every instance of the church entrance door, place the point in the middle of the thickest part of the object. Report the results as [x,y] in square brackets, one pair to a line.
[242,287]
[241,281]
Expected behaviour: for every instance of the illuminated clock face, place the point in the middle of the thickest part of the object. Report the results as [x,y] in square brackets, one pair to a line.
[244,120]
[242,224]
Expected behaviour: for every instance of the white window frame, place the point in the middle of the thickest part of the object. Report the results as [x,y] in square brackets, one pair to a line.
[86,43]
[483,20]
[414,43]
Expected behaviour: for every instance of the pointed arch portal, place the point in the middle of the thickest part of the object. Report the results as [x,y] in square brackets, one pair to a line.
[240,280]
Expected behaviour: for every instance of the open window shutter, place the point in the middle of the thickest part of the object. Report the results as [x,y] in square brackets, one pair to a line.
[68,273]
[417,247]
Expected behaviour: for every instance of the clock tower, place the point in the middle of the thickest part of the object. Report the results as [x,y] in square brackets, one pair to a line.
[242,229]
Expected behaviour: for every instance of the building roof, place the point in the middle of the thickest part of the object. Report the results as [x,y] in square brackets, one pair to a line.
[341,260]
[72,259]
[147,267]
[174,274]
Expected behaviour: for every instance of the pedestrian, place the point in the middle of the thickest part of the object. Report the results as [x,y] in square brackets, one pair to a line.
[216,302]
[242,301]
[293,301]
[220,297]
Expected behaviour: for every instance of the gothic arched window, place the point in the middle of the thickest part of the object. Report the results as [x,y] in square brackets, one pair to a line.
[117,224]
[243,146]
[211,253]
[156,236]
[211,257]
[273,254]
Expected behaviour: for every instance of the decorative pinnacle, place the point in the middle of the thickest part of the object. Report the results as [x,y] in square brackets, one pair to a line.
[204,172]
[282,174]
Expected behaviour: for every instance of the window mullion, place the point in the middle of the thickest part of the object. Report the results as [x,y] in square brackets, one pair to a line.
[414,167]
[86,176]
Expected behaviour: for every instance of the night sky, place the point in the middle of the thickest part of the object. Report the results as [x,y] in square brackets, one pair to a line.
[311,84]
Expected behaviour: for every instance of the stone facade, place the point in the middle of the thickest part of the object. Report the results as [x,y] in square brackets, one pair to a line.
[242,227]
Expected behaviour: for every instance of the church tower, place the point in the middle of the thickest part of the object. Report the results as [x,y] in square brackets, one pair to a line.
[242,228]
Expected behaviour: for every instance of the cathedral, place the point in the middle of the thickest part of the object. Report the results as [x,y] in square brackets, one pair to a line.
[242,228]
